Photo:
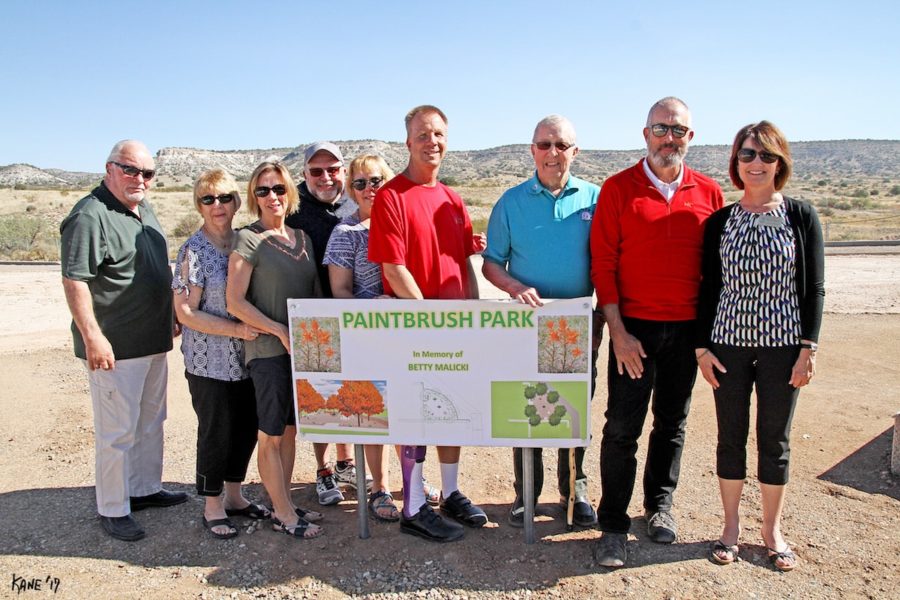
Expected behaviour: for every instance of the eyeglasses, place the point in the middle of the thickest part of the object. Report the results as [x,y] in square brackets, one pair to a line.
[261,191]
[561,146]
[661,129]
[748,155]
[319,171]
[222,198]
[360,184]
[134,171]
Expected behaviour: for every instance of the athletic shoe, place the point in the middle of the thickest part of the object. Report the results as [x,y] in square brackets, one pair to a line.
[346,477]
[327,489]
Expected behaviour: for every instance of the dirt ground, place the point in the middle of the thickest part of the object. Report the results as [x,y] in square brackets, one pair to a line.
[841,515]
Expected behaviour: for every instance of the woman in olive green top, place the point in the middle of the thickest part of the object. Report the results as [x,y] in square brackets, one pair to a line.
[271,263]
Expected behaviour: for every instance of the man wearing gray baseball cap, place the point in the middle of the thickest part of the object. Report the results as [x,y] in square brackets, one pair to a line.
[320,199]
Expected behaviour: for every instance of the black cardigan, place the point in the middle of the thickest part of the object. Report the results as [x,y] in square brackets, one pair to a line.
[810,261]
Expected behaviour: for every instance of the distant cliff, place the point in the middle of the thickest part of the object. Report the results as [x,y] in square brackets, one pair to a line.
[500,165]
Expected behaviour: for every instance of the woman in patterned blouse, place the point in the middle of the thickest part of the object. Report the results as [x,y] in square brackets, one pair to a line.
[212,343]
[353,276]
[758,316]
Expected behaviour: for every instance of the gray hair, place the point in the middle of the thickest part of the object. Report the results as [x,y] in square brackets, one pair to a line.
[117,150]
[557,122]
[664,102]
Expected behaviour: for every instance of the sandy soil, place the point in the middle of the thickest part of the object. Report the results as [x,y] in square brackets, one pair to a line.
[841,515]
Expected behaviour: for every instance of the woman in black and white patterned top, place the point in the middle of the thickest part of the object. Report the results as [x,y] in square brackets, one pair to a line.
[758,320]
[212,343]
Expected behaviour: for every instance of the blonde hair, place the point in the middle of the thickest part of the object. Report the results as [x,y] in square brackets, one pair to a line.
[216,182]
[371,162]
[293,197]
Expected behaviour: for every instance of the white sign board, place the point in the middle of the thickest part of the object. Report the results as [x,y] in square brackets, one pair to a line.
[442,372]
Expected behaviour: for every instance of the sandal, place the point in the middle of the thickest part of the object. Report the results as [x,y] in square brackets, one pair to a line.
[723,554]
[787,557]
[382,507]
[432,493]
[303,529]
[313,516]
[251,511]
[226,522]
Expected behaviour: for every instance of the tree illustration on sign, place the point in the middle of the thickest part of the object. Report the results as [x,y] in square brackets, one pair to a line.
[562,342]
[356,398]
[308,399]
[317,344]
[542,405]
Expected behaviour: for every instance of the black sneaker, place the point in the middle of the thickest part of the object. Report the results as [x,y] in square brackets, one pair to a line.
[431,526]
[661,527]
[122,528]
[458,507]
[162,499]
[610,551]
[583,514]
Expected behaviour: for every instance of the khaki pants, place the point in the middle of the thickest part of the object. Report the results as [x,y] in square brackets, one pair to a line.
[129,409]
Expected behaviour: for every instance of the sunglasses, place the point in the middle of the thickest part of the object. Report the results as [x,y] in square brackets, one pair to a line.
[319,171]
[222,198]
[262,191]
[561,146]
[661,129]
[748,155]
[134,171]
[360,184]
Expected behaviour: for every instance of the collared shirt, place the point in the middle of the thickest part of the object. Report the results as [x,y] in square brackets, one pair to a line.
[666,189]
[542,239]
[124,259]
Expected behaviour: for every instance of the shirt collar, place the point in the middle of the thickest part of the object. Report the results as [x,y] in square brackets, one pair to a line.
[536,187]
[666,189]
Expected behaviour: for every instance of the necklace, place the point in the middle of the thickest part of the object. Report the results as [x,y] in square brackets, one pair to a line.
[221,243]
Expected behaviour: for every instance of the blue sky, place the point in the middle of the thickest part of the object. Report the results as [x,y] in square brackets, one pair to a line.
[78,76]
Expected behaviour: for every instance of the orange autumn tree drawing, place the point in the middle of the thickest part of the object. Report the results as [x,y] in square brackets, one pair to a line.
[317,344]
[563,344]
[356,398]
[308,399]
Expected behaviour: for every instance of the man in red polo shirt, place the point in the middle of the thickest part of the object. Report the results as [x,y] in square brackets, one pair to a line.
[646,240]
[421,234]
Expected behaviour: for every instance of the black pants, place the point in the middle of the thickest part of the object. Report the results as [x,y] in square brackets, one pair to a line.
[769,369]
[670,370]
[226,430]
[562,468]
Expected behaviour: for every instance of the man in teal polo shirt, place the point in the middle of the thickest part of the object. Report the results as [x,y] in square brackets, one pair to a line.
[538,247]
[116,277]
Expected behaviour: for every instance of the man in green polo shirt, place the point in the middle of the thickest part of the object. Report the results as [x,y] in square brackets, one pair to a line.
[538,247]
[116,277]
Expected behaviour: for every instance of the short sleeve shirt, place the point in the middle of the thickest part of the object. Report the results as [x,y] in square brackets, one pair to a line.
[279,273]
[124,259]
[348,248]
[427,230]
[200,264]
[544,240]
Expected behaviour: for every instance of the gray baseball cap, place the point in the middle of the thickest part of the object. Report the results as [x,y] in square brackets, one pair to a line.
[328,147]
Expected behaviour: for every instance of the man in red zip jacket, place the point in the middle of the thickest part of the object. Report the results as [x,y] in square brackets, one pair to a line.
[646,241]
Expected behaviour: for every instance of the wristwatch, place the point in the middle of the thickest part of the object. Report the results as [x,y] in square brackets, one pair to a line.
[811,346]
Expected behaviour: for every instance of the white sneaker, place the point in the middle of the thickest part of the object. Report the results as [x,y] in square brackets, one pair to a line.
[327,489]
[347,476]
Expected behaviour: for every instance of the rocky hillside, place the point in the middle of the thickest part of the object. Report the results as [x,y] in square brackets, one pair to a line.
[500,165]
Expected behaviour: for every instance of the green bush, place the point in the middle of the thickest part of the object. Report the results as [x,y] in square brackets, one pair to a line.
[895,191]
[187,225]
[24,237]
[541,389]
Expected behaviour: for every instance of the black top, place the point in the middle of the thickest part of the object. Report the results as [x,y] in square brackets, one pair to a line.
[317,219]
[810,269]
